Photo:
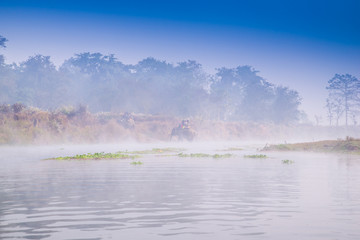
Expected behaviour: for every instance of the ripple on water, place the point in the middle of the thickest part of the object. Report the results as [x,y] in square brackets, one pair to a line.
[182,199]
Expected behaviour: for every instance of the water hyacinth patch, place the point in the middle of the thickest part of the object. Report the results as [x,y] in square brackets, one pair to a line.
[156,151]
[202,155]
[194,155]
[233,149]
[287,161]
[100,155]
[255,156]
[227,155]
[136,163]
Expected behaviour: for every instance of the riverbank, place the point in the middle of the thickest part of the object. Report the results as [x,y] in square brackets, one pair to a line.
[20,124]
[347,145]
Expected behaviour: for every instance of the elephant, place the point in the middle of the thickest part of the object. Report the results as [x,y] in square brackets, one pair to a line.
[183,132]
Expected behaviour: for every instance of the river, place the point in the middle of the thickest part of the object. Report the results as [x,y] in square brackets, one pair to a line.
[315,196]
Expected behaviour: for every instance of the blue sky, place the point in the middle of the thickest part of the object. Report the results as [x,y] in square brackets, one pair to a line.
[300,44]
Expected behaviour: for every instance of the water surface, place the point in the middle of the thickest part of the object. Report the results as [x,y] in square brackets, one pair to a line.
[168,197]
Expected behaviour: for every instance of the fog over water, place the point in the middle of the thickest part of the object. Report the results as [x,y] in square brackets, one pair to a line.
[186,96]
[314,197]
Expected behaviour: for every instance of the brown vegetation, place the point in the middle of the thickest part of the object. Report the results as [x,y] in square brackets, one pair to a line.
[31,125]
[27,125]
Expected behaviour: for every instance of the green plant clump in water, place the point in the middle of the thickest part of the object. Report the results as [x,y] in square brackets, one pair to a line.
[194,155]
[233,149]
[287,161]
[199,155]
[136,163]
[156,151]
[255,156]
[100,155]
[227,155]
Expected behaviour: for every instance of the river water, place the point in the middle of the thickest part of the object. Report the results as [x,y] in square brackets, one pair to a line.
[168,197]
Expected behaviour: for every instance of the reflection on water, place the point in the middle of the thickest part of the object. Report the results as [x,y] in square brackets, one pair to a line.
[317,197]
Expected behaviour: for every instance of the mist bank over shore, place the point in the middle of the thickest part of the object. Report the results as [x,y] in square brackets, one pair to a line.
[155,87]
[28,125]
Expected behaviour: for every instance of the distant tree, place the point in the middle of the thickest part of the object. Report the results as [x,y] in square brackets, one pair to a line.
[343,92]
[97,80]
[285,105]
[3,40]
[8,85]
[318,119]
[151,86]
[40,83]
[170,89]
[227,93]
[258,96]
[241,94]
[330,111]
[353,117]
[335,108]
[94,64]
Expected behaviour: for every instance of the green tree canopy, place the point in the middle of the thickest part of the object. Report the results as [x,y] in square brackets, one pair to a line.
[151,86]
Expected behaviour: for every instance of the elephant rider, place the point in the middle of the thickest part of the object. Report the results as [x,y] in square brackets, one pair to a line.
[185,124]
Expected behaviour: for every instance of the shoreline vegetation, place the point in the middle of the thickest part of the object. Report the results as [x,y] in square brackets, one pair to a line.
[137,154]
[20,124]
[119,155]
[347,145]
[204,155]
[256,156]
[98,156]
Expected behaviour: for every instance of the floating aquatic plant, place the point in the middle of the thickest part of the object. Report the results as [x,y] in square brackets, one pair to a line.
[233,149]
[194,155]
[100,155]
[155,151]
[227,155]
[136,163]
[287,161]
[200,155]
[255,156]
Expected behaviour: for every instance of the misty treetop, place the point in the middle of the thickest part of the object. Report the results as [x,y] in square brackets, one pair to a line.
[241,94]
[343,99]
[151,86]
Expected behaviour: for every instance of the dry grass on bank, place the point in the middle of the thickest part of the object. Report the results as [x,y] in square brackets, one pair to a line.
[348,145]
[27,125]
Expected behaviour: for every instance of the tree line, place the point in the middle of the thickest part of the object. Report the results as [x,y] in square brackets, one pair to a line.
[151,86]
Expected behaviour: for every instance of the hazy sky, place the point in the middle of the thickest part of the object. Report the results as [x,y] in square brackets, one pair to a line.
[299,44]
